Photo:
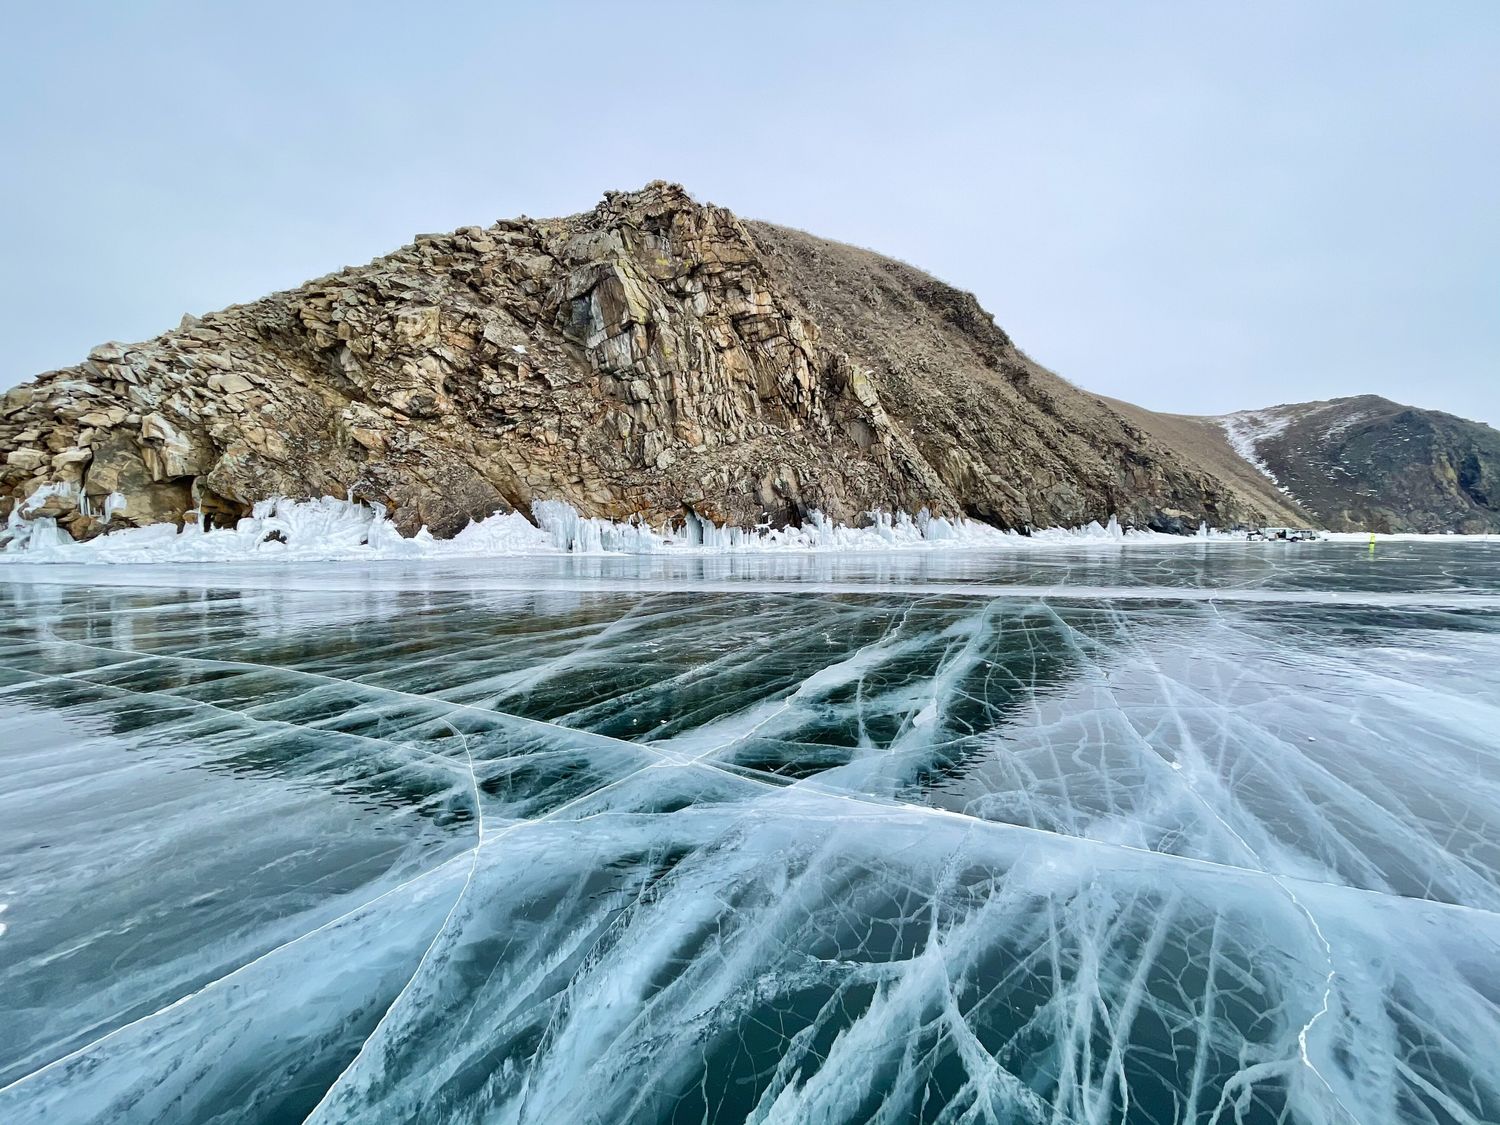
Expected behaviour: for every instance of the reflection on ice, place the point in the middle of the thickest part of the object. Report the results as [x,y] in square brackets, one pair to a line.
[527,844]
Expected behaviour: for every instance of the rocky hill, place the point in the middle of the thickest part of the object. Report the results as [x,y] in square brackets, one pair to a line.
[656,356]
[650,357]
[1368,463]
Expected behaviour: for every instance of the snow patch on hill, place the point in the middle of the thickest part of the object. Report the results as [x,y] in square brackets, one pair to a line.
[1246,429]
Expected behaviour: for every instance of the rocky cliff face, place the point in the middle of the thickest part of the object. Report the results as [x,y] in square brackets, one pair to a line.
[1368,463]
[650,357]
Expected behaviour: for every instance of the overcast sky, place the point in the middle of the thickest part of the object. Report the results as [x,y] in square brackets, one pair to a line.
[1197,206]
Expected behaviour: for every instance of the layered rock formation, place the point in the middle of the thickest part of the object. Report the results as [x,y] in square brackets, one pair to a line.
[649,358]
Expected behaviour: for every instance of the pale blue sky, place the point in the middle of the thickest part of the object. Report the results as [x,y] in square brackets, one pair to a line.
[1196,206]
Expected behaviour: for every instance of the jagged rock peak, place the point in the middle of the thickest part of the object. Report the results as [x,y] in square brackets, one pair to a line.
[651,355]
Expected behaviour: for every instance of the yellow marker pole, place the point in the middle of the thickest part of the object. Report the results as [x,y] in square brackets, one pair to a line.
[1372,542]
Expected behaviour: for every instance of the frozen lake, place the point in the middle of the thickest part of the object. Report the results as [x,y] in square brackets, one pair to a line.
[1202,833]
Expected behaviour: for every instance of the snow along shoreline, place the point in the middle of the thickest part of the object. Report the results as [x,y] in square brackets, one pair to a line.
[328,529]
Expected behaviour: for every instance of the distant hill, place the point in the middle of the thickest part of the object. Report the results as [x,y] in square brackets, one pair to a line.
[1367,462]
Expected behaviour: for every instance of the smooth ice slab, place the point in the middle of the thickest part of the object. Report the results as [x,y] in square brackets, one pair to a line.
[1206,834]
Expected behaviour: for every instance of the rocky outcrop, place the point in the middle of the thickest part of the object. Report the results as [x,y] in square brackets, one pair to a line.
[651,356]
[1366,463]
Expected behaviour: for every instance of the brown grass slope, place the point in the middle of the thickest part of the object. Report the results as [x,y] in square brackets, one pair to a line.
[1203,440]
[1016,443]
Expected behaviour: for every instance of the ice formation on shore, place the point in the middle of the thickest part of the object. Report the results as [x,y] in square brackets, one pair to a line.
[328,529]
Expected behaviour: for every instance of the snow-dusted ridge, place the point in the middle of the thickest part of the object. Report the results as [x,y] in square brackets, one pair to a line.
[1246,429]
[331,529]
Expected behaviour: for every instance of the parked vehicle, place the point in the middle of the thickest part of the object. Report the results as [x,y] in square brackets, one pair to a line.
[1285,534]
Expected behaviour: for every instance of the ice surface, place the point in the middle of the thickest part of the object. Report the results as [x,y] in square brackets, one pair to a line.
[1209,834]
